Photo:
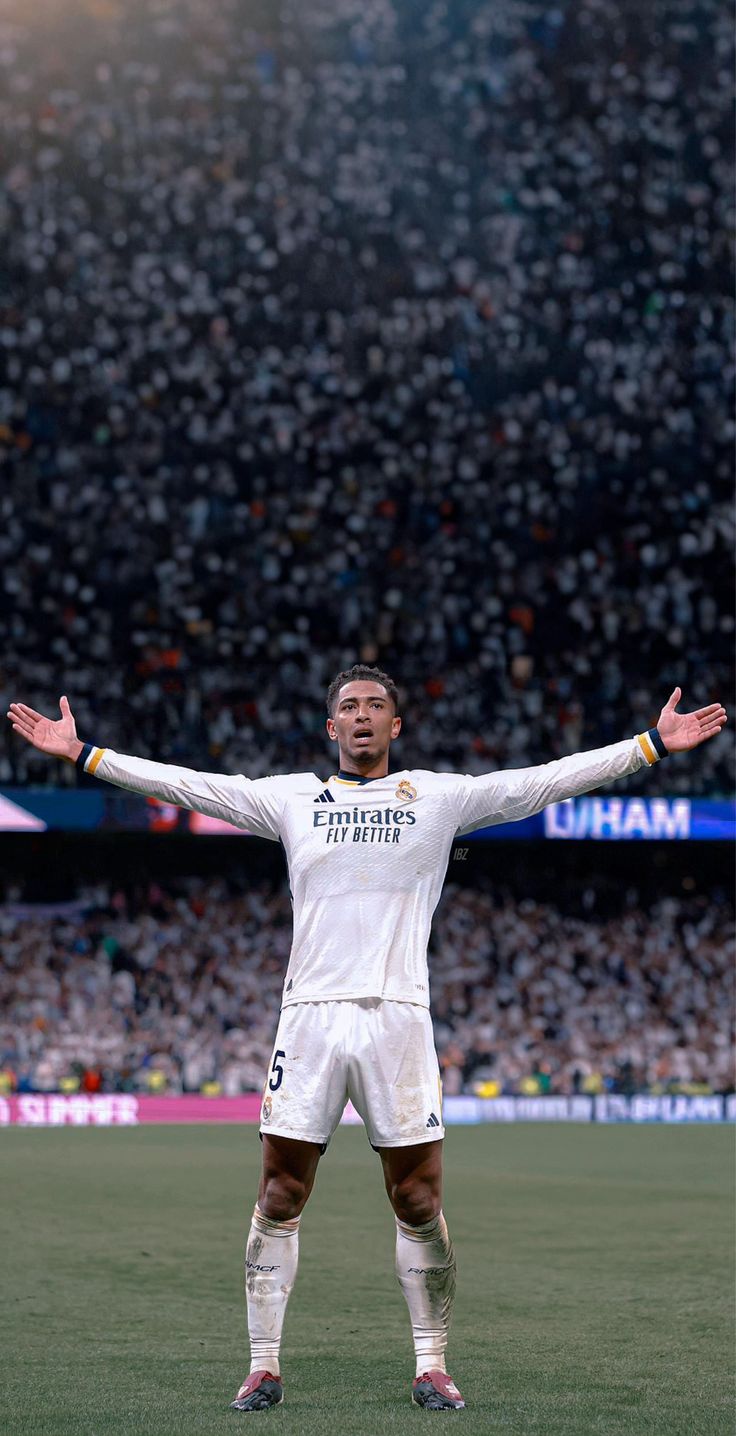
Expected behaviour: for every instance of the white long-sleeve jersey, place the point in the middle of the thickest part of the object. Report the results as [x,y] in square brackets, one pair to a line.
[367,858]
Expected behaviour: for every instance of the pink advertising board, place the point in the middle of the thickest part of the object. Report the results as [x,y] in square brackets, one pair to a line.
[118,1109]
[121,1109]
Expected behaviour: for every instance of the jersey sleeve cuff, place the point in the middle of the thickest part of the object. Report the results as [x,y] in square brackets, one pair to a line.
[652,746]
[89,758]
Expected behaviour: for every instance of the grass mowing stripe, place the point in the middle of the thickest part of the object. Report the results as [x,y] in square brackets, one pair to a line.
[595,1286]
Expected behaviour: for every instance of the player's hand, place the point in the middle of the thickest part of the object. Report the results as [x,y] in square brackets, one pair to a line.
[57,738]
[681,731]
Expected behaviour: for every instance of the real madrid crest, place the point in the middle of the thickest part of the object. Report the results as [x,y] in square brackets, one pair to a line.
[406,792]
[266,1110]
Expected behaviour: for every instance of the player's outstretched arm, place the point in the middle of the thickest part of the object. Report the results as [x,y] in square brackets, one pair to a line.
[247,804]
[520,792]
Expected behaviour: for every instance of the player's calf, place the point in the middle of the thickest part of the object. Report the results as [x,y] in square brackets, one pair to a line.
[425,1267]
[271,1258]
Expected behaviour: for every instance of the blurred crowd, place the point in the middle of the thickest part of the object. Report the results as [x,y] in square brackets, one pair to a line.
[178,989]
[375,330]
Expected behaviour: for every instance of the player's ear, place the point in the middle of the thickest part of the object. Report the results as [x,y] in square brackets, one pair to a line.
[331,731]
[396,727]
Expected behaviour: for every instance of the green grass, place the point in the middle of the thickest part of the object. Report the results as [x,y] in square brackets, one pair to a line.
[595,1294]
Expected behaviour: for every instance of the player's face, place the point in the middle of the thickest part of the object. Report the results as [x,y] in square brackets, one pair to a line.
[363,724]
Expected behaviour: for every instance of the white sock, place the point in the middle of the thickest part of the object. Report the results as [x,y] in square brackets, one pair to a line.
[271,1257]
[425,1267]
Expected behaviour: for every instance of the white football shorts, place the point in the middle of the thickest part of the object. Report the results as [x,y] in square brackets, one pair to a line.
[378,1054]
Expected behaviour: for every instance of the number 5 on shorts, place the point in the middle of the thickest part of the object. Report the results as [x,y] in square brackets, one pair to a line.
[277,1072]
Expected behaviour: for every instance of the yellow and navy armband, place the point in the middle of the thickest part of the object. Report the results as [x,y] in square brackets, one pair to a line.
[652,746]
[89,758]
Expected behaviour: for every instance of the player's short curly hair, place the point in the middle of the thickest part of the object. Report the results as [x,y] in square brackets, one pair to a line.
[361,672]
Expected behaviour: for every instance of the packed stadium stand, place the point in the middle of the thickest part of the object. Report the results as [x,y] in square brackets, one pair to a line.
[177,987]
[365,329]
[381,330]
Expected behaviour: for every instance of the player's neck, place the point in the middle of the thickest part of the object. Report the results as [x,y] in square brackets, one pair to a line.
[378,769]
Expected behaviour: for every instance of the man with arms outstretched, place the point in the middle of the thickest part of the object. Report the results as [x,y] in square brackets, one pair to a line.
[366,853]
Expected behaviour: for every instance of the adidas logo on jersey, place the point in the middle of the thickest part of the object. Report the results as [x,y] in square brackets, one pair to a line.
[433,1121]
[325,797]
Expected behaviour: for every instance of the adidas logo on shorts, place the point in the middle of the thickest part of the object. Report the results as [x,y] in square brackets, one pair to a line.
[433,1121]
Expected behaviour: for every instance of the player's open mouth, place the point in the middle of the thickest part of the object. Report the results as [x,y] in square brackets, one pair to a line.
[363,736]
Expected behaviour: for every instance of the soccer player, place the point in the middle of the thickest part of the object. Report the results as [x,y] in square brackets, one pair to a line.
[366,853]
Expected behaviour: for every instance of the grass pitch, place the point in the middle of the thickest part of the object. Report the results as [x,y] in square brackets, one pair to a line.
[596,1285]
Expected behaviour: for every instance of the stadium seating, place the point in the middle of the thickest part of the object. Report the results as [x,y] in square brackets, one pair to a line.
[178,989]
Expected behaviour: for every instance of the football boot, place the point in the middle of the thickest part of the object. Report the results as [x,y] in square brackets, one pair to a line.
[436,1391]
[259,1391]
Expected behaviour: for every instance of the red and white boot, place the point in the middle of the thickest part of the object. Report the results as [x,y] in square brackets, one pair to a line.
[259,1392]
[436,1391]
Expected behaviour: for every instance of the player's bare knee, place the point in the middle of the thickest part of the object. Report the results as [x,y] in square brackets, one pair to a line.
[414,1201]
[283,1196]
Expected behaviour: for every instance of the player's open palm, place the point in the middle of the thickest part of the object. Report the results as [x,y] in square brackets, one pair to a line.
[55,737]
[680,731]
